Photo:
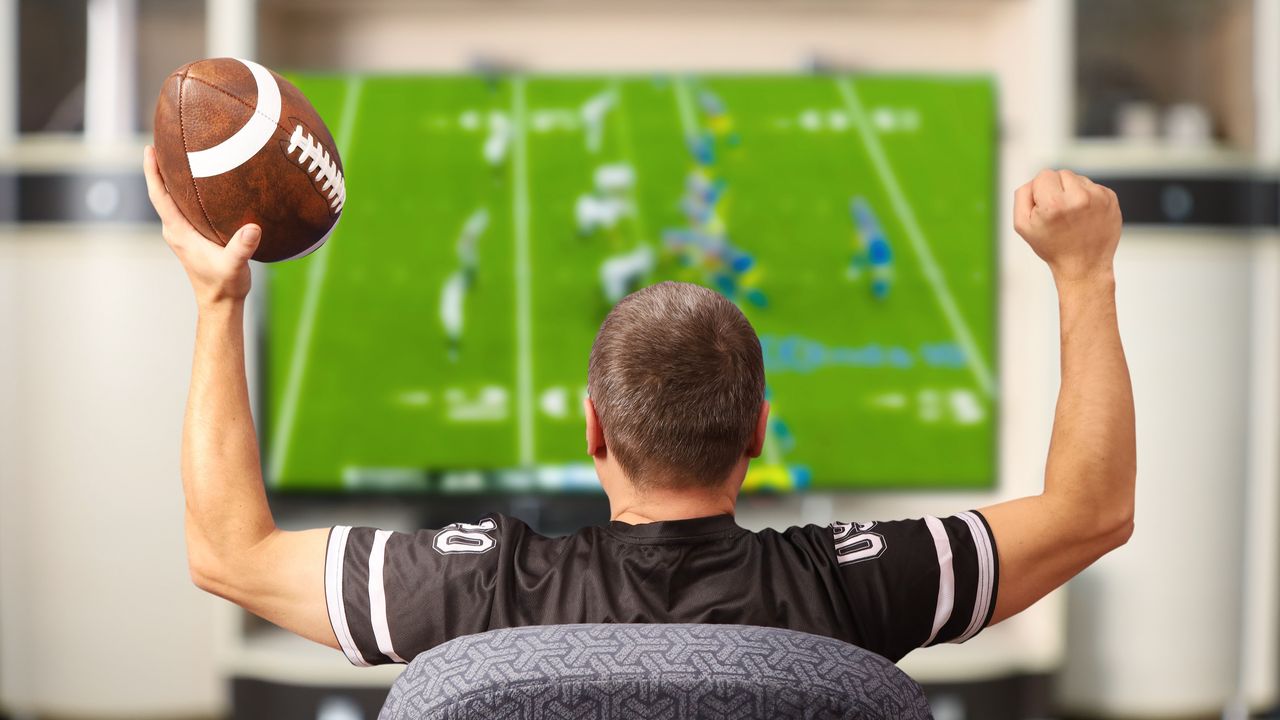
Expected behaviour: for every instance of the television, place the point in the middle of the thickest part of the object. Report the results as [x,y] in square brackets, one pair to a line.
[438,342]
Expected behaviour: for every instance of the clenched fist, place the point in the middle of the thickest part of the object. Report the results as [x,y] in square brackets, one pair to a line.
[1071,222]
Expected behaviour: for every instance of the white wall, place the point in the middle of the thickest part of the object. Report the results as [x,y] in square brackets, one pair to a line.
[97,613]
[1158,623]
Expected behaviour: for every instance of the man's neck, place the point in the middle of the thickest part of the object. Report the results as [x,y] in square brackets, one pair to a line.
[658,505]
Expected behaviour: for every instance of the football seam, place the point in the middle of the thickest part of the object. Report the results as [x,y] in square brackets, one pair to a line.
[182,130]
[252,108]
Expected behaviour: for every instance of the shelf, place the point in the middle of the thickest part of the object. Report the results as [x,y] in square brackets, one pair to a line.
[280,656]
[71,153]
[1119,157]
[1155,67]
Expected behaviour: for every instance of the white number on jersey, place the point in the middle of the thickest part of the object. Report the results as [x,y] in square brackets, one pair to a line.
[465,538]
[852,547]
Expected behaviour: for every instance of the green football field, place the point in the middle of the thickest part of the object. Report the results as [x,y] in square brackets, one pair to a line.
[439,340]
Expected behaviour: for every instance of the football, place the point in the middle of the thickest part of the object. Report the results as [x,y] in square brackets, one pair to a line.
[236,144]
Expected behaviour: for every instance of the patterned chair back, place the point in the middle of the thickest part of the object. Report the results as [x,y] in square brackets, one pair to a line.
[673,672]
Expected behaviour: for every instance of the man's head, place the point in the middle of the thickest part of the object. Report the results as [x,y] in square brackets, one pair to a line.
[676,383]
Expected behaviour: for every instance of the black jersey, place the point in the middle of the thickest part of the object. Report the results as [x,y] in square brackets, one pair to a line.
[889,587]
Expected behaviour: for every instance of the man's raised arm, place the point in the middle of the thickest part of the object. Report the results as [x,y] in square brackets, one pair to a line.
[1086,509]
[234,548]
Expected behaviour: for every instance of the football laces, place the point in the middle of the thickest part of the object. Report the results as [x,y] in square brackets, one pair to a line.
[322,169]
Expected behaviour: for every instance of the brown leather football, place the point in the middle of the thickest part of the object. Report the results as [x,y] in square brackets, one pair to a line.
[237,144]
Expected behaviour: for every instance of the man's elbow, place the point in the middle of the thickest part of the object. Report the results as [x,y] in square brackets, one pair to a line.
[1108,517]
[1124,531]
[201,580]
[202,576]
[1118,528]
[1122,514]
[207,573]
[230,573]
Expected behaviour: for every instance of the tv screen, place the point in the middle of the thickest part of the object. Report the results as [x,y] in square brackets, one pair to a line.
[438,343]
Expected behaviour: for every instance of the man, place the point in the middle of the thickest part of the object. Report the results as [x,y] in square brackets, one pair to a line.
[622,273]
[872,252]
[468,244]
[456,286]
[452,297]
[676,411]
[594,211]
[498,143]
[593,113]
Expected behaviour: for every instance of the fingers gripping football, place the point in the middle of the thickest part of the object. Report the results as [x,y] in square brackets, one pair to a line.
[1071,222]
[217,273]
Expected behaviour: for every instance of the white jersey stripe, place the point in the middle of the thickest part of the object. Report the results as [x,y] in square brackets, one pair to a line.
[986,575]
[946,577]
[335,557]
[982,595]
[988,553]
[378,596]
[250,138]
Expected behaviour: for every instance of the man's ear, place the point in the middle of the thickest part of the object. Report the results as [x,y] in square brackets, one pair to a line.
[762,427]
[595,433]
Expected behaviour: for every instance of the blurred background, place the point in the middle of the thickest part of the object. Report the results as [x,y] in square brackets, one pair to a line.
[941,107]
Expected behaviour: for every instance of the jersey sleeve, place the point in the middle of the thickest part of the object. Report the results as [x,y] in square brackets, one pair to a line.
[914,583]
[392,595]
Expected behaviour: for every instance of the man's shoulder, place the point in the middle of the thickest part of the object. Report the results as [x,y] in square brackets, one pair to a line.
[794,533]
[510,529]
[808,537]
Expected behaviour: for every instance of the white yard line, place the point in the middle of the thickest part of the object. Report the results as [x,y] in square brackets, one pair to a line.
[524,302]
[316,274]
[684,104]
[932,272]
[629,155]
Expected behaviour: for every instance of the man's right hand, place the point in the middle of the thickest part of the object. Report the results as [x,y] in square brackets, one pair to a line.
[217,273]
[1087,506]
[1071,222]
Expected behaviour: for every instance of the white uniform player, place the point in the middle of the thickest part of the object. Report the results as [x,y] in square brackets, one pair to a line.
[621,274]
[593,113]
[615,179]
[451,300]
[468,243]
[498,141]
[594,212]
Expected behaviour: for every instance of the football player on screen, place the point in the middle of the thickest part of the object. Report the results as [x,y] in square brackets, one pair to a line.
[676,413]
[872,253]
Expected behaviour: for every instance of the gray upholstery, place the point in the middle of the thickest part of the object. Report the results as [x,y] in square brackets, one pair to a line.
[607,672]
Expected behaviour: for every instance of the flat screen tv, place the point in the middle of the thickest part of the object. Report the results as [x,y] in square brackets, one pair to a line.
[438,343]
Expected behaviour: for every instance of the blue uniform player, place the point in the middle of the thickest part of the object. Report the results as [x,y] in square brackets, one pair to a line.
[872,256]
[704,243]
[719,121]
